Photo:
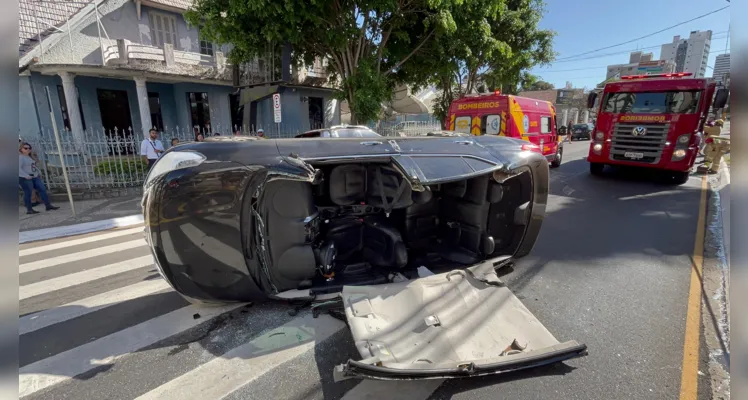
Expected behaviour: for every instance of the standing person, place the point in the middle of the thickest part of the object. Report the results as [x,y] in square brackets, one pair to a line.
[151,148]
[28,178]
[195,132]
[261,132]
[174,142]
[199,137]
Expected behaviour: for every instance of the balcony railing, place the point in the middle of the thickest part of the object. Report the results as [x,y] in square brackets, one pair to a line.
[126,52]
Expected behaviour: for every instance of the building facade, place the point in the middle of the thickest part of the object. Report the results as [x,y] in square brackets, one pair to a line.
[721,68]
[117,68]
[639,64]
[689,55]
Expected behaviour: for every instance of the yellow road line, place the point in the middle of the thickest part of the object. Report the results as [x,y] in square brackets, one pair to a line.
[689,373]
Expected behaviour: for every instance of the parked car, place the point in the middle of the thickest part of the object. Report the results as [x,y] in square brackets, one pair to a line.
[401,236]
[340,131]
[582,131]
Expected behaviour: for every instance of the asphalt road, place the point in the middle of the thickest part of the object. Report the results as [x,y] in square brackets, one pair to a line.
[611,269]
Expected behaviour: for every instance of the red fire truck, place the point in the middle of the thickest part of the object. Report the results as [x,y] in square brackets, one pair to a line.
[652,121]
[508,115]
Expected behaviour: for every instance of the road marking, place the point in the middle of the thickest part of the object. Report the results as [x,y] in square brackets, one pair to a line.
[78,308]
[689,380]
[51,262]
[66,281]
[393,390]
[105,351]
[75,242]
[226,373]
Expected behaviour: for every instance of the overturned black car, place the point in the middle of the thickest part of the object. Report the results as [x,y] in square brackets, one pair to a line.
[404,235]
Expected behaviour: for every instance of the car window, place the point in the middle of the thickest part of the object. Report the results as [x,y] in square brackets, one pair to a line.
[545,124]
[490,124]
[462,124]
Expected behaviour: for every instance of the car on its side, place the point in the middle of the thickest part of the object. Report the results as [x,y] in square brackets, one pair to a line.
[403,236]
[582,131]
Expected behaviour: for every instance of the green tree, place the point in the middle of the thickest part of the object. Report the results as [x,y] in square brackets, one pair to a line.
[368,42]
[536,84]
[493,45]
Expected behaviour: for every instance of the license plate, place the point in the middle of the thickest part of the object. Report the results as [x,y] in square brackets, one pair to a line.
[577,131]
[633,155]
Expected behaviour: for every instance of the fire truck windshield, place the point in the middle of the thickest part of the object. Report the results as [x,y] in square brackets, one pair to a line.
[675,102]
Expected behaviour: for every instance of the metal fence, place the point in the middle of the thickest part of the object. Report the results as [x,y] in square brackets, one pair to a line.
[102,159]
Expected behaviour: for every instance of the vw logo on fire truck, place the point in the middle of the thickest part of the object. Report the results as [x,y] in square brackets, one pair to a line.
[639,131]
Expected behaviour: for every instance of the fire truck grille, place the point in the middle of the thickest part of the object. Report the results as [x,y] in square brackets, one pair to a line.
[646,148]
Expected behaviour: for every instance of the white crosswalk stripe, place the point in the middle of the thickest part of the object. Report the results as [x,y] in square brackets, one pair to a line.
[118,331]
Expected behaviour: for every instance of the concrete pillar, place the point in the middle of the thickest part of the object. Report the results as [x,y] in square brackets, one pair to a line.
[71,102]
[586,116]
[565,118]
[576,117]
[143,105]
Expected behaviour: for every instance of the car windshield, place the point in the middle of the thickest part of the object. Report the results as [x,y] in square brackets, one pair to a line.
[683,102]
[581,126]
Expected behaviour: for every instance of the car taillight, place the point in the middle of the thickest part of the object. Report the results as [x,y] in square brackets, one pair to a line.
[531,147]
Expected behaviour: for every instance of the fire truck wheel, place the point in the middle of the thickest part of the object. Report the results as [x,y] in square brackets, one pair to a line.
[680,178]
[597,169]
[557,160]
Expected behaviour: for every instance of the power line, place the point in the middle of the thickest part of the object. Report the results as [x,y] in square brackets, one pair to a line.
[646,36]
[616,53]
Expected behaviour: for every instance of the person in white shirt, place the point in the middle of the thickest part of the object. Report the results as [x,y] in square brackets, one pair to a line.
[151,148]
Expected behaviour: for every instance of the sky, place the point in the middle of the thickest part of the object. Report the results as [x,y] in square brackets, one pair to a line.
[586,25]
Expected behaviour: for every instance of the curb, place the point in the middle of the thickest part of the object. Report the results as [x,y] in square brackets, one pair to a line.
[716,285]
[79,229]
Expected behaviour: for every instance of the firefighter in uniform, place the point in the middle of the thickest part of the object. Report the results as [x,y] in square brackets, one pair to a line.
[713,150]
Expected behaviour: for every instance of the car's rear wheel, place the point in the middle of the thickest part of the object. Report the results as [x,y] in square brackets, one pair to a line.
[597,169]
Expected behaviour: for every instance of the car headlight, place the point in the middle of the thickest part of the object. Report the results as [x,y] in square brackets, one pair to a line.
[683,139]
[599,136]
[173,161]
[680,153]
[597,147]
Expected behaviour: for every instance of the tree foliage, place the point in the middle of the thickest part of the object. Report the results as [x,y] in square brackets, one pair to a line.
[496,56]
[374,45]
[366,41]
[536,84]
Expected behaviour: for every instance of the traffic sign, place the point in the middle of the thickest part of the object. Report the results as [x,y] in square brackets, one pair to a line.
[277,108]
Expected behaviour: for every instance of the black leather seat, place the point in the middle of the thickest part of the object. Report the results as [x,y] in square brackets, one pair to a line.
[348,184]
[383,245]
[387,189]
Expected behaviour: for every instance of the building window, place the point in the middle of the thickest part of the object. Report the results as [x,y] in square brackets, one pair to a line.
[64,108]
[154,103]
[163,29]
[199,110]
[206,47]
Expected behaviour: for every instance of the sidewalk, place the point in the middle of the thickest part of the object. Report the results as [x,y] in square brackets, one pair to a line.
[86,211]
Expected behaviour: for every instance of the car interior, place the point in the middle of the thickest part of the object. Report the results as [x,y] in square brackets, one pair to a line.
[364,224]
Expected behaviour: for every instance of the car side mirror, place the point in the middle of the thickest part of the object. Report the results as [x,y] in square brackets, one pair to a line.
[720,99]
[591,100]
